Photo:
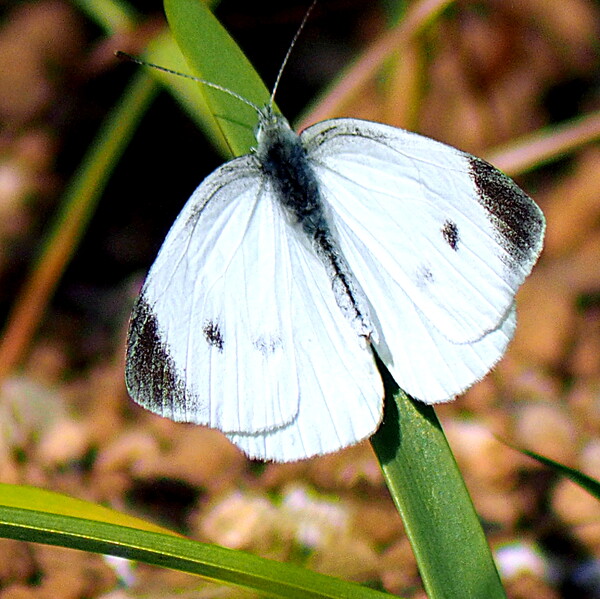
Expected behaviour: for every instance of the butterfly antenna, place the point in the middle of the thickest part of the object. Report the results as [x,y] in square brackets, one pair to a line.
[289,51]
[125,56]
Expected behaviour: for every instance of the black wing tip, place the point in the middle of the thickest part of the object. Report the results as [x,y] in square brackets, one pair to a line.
[517,218]
[151,377]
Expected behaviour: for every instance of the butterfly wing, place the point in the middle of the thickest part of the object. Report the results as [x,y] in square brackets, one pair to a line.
[459,235]
[229,320]
[424,362]
[439,240]
[340,388]
[212,324]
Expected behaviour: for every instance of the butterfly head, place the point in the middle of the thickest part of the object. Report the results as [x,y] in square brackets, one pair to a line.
[272,127]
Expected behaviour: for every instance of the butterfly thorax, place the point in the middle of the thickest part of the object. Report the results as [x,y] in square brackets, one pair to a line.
[283,159]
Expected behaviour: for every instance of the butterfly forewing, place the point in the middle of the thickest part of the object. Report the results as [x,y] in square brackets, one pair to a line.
[439,267]
[424,212]
[221,323]
[238,327]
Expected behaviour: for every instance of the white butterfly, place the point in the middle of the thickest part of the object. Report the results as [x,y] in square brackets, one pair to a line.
[289,266]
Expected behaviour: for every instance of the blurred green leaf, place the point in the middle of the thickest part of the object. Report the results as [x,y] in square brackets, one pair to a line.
[111,15]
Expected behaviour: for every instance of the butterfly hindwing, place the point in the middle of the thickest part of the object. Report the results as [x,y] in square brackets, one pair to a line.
[340,388]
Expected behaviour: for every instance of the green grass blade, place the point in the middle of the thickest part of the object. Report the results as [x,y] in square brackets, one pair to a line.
[114,16]
[212,55]
[591,485]
[46,521]
[41,500]
[111,15]
[164,51]
[452,553]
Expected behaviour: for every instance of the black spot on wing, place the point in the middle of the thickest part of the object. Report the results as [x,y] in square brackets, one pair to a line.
[450,233]
[515,216]
[150,375]
[213,334]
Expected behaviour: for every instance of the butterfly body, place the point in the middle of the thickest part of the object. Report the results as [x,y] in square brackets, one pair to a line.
[288,267]
[283,159]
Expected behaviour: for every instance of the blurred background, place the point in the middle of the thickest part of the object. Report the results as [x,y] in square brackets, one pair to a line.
[517,83]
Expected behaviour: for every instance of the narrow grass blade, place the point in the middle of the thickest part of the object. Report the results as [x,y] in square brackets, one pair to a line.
[46,521]
[77,207]
[41,500]
[214,56]
[591,485]
[452,552]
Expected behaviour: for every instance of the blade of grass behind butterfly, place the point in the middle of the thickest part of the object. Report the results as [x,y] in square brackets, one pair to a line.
[214,56]
[164,51]
[452,553]
[110,15]
[116,16]
[79,200]
[76,206]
